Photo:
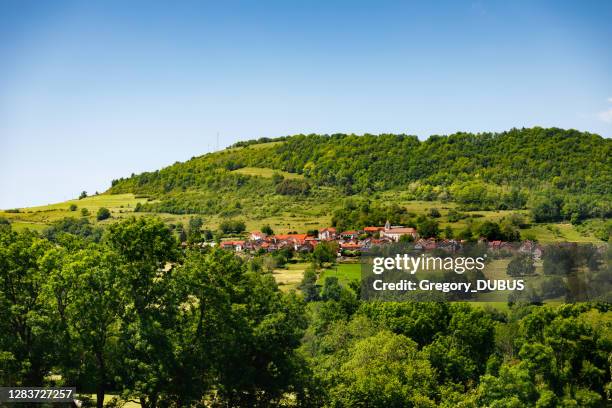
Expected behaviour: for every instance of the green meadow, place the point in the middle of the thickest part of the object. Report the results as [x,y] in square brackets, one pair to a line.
[266,173]
[287,215]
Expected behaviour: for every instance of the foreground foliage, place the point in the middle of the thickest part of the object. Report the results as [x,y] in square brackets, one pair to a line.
[132,315]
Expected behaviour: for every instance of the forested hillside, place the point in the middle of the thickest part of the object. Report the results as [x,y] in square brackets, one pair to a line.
[565,172]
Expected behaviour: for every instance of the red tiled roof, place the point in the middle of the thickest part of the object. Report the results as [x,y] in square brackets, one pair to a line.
[232,243]
[373,229]
[300,237]
[350,245]
[401,231]
[330,229]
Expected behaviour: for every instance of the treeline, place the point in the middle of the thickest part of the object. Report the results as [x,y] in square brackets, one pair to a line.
[261,140]
[133,316]
[453,355]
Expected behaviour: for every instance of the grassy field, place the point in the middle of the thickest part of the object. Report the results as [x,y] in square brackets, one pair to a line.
[257,146]
[289,277]
[37,218]
[345,272]
[266,173]
[285,214]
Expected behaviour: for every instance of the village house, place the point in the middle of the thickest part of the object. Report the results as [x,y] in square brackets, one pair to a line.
[449,245]
[327,233]
[499,246]
[237,246]
[296,241]
[426,244]
[396,232]
[531,248]
[373,230]
[257,236]
[350,234]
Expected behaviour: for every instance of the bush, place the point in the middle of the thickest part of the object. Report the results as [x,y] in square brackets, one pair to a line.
[232,226]
[490,230]
[103,214]
[75,226]
[434,213]
[428,228]
[293,187]
[84,212]
[73,207]
[521,265]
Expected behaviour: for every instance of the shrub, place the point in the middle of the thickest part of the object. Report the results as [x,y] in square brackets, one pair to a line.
[293,187]
[232,226]
[103,214]
[434,213]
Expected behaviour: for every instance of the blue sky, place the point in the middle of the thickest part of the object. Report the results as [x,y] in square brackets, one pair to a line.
[91,91]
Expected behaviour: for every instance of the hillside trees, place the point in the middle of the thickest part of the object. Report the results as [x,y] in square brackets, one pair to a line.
[232,226]
[484,171]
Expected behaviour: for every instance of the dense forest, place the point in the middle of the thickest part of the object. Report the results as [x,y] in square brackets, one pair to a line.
[126,312]
[561,174]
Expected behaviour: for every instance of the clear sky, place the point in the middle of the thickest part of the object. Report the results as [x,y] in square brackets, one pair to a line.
[91,91]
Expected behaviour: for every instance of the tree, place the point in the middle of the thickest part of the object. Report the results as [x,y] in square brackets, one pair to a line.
[232,226]
[103,214]
[490,230]
[83,195]
[73,207]
[240,333]
[331,289]
[547,208]
[308,286]
[194,232]
[448,232]
[520,265]
[88,300]
[406,238]
[434,213]
[325,252]
[5,224]
[553,287]
[428,228]
[76,226]
[293,187]
[383,370]
[266,229]
[145,246]
[28,334]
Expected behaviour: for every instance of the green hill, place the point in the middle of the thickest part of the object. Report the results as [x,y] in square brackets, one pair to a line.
[483,171]
[302,182]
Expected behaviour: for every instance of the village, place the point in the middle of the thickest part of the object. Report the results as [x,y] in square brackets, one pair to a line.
[356,242]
